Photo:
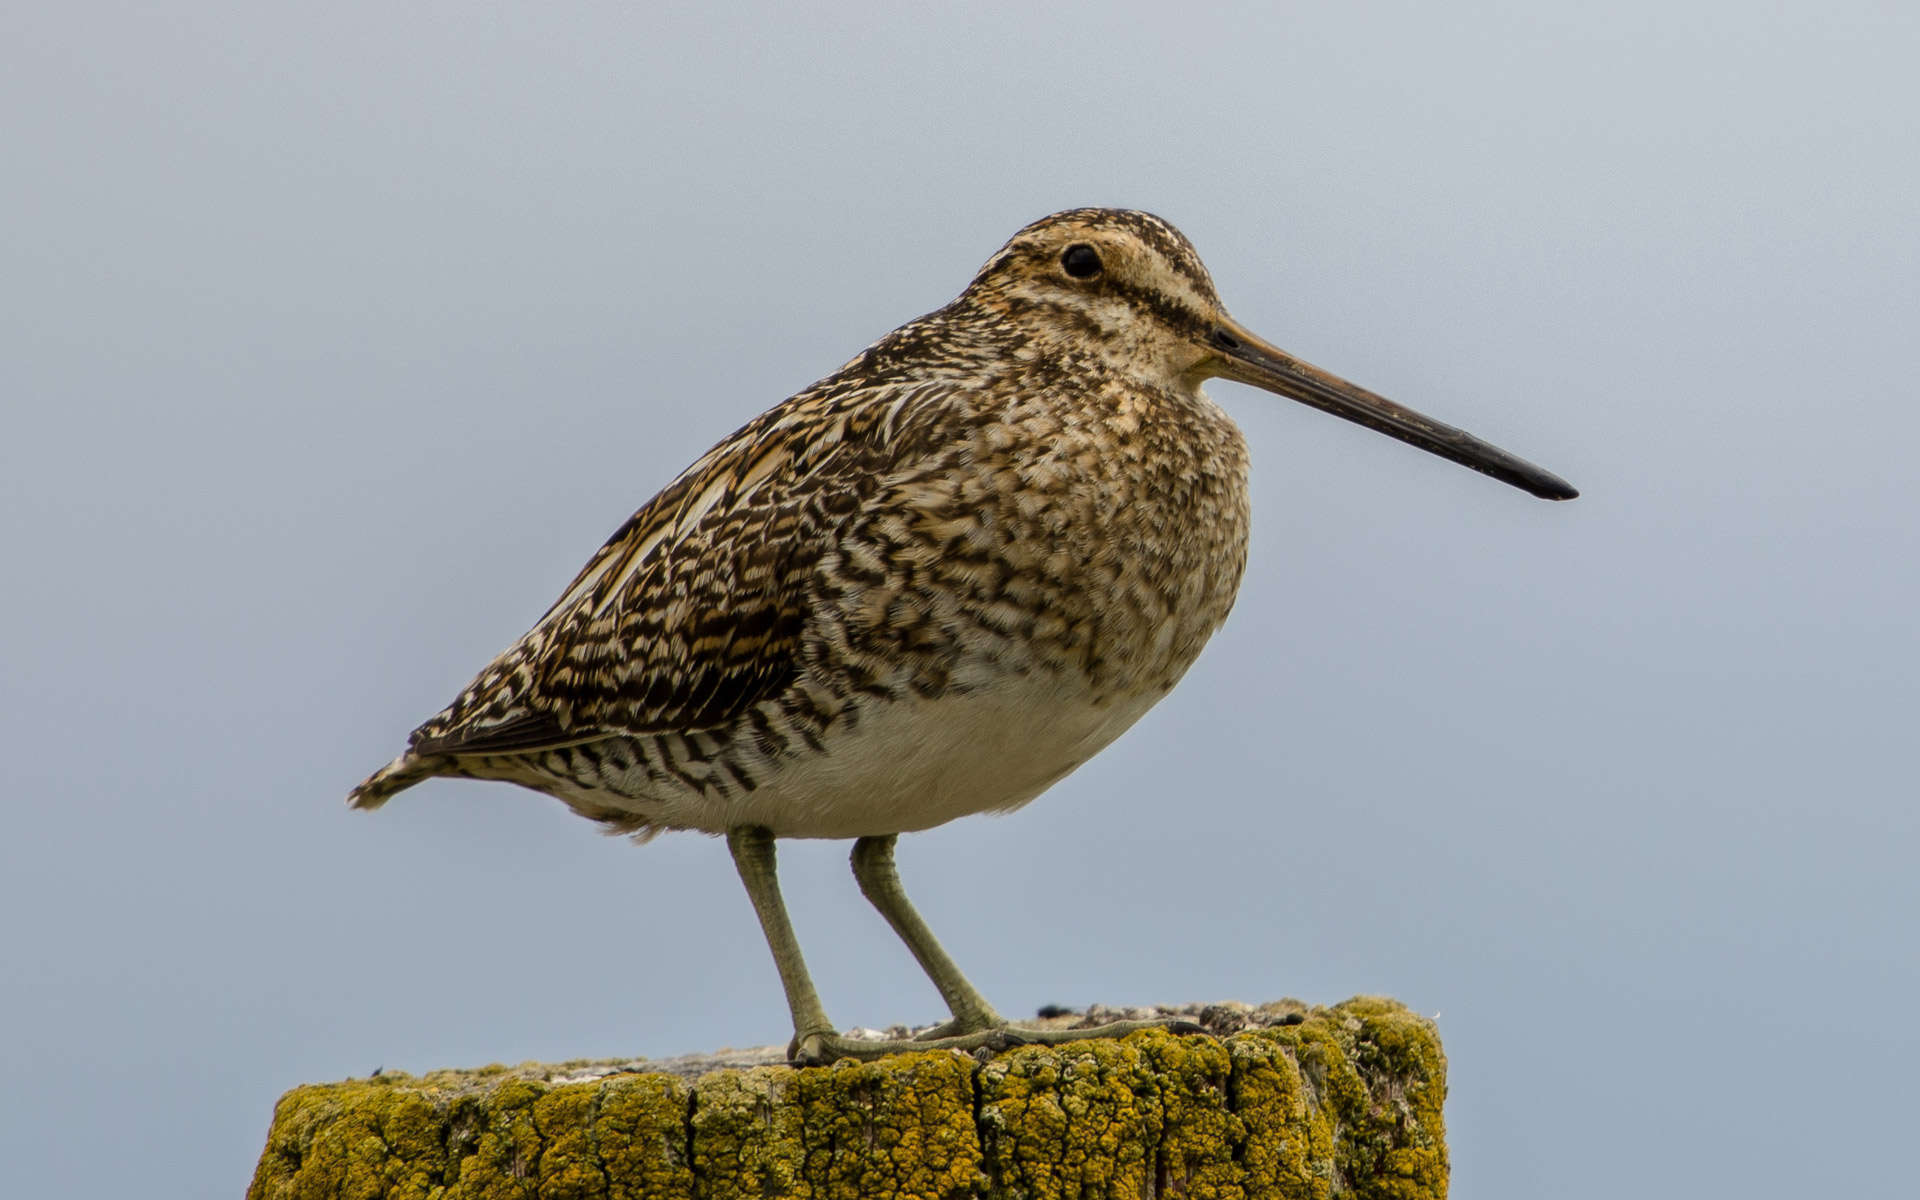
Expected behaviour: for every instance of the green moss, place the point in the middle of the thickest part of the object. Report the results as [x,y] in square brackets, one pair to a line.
[1148,1115]
[1072,1120]
[352,1140]
[1346,1103]
[641,1137]
[902,1126]
[1199,1131]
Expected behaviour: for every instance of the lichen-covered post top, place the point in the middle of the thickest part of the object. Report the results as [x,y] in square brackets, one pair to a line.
[1280,1101]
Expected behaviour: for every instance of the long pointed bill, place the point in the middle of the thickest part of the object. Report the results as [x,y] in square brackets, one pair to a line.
[1246,358]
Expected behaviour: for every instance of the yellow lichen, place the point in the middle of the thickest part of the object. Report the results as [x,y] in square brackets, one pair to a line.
[1348,1102]
[640,1137]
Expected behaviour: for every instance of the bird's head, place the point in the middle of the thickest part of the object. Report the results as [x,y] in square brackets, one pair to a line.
[1127,288]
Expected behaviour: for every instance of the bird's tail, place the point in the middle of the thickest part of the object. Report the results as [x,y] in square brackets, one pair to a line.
[394,778]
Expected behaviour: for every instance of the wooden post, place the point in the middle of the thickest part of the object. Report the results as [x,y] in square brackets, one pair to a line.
[1290,1102]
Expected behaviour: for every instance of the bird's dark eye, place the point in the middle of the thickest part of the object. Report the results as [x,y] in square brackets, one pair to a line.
[1080,261]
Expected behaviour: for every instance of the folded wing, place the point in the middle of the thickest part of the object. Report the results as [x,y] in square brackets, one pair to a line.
[695,609]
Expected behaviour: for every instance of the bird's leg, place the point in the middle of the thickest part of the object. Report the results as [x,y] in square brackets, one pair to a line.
[974,1026]
[753,856]
[880,884]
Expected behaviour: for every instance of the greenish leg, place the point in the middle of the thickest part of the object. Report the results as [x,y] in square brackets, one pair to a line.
[974,1026]
[880,884]
[753,856]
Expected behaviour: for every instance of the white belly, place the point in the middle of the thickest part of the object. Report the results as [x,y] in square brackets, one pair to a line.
[914,764]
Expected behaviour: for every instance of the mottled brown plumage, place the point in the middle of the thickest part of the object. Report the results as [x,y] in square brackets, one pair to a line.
[930,584]
[987,493]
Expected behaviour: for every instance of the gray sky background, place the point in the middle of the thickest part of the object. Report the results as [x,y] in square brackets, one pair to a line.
[332,342]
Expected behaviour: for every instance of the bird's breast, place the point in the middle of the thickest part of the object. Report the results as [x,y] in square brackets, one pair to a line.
[1101,540]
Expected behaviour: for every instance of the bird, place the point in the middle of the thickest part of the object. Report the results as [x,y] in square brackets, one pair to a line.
[929,585]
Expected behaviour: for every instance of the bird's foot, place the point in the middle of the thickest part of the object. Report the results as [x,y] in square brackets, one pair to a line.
[819,1049]
[1021,1035]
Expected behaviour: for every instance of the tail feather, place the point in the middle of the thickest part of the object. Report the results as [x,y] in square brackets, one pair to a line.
[394,778]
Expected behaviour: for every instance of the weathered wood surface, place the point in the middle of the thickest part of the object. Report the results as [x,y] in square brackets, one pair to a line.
[1282,1101]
